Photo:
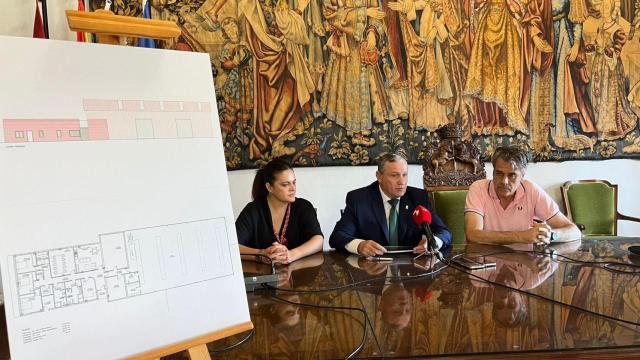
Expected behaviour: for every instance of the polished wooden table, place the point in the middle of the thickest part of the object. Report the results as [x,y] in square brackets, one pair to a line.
[566,307]
[575,304]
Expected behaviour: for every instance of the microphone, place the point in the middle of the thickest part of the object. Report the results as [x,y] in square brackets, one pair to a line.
[422,217]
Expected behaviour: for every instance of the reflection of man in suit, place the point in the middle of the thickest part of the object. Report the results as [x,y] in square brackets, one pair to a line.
[380,214]
[395,295]
[396,311]
[396,306]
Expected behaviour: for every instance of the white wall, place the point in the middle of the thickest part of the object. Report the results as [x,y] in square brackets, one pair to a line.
[326,187]
[17,18]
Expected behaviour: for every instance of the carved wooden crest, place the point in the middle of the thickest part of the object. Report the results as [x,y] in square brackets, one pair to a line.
[451,161]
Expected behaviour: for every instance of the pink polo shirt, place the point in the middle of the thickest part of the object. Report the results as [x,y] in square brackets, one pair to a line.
[530,202]
[523,277]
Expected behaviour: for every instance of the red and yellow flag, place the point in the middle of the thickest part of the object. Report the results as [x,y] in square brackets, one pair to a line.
[82,36]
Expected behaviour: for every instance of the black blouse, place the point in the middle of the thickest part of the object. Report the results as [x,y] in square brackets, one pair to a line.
[255,227]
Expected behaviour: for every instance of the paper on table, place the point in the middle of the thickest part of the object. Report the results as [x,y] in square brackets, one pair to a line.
[399,251]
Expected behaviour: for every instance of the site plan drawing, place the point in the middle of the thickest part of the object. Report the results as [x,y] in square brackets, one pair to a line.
[121,265]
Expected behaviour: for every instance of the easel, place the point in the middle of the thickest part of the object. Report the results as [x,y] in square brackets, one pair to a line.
[197,347]
[115,29]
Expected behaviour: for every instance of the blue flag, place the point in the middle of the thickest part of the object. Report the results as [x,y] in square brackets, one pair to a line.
[146,13]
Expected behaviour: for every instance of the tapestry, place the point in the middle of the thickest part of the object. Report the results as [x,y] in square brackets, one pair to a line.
[338,82]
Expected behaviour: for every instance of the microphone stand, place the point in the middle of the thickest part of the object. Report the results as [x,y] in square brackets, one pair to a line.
[432,245]
[431,242]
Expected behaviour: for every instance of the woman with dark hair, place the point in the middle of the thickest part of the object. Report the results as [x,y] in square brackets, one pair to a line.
[276,224]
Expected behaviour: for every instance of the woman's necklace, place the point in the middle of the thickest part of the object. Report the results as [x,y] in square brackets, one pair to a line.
[281,237]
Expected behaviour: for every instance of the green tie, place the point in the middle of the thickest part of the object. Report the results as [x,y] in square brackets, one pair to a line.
[393,223]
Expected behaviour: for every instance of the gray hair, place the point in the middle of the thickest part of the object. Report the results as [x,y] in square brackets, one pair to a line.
[388,158]
[511,154]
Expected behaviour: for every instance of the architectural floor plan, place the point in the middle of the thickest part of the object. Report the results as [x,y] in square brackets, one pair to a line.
[121,265]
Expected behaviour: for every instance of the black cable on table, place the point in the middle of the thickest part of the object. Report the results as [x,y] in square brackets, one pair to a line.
[606,265]
[231,347]
[364,314]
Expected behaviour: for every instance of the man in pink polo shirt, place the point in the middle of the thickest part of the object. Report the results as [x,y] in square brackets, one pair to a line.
[510,209]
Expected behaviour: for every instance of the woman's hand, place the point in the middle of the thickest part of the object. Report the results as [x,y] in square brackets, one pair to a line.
[278,253]
[284,277]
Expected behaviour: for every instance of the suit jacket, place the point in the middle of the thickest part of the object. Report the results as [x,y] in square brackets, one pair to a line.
[364,218]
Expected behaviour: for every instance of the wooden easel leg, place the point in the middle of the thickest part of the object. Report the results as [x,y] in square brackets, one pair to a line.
[197,347]
[199,352]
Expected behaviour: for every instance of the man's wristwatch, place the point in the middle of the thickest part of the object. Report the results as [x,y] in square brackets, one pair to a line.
[554,236]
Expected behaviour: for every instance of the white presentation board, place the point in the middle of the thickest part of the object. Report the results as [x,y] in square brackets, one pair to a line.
[116,226]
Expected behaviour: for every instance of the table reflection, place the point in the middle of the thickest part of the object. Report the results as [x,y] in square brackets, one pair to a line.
[389,294]
[523,271]
[287,331]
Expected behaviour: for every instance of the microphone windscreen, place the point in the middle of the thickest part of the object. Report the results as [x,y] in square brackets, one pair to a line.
[421,215]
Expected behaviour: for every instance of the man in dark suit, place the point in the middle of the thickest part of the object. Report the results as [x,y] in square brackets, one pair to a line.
[379,215]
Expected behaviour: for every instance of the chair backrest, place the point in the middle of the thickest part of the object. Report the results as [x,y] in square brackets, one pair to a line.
[592,203]
[449,205]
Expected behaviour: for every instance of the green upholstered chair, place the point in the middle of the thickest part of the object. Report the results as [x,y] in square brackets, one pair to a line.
[449,205]
[593,206]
